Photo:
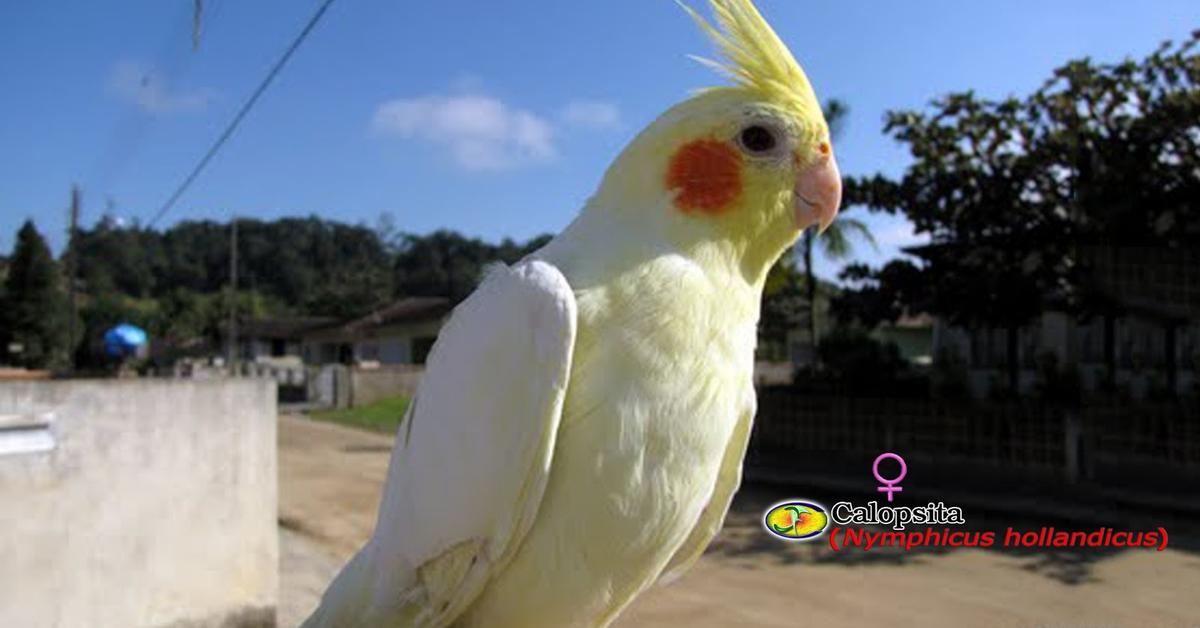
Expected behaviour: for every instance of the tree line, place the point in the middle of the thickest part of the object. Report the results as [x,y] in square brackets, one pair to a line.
[175,283]
[1015,196]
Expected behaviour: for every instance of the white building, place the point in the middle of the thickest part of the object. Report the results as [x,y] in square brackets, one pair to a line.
[1149,345]
[400,333]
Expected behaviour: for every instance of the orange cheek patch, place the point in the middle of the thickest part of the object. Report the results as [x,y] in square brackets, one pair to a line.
[706,176]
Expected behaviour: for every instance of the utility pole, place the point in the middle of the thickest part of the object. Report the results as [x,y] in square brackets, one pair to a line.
[72,256]
[233,283]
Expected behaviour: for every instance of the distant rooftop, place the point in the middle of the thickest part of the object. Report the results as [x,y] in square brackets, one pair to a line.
[914,321]
[406,310]
[283,327]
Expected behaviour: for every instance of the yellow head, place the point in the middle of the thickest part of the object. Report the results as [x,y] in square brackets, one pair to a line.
[740,168]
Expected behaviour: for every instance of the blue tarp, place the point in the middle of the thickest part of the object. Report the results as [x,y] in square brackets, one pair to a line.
[124,340]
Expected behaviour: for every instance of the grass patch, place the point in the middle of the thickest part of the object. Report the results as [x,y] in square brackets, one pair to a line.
[382,416]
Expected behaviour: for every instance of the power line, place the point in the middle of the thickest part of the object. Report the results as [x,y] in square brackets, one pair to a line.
[130,131]
[237,119]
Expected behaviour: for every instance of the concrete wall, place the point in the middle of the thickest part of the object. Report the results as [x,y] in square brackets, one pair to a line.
[151,503]
[328,385]
[368,385]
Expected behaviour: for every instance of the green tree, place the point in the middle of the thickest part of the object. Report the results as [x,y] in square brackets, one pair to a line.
[447,263]
[783,307]
[1013,194]
[836,244]
[113,256]
[304,265]
[34,309]
[882,295]
[786,305]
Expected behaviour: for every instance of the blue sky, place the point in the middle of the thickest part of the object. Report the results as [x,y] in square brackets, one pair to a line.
[493,118]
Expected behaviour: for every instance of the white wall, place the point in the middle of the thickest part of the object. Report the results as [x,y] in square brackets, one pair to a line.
[368,385]
[1140,345]
[394,345]
[156,506]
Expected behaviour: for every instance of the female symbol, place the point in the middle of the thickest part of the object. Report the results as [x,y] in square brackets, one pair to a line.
[889,485]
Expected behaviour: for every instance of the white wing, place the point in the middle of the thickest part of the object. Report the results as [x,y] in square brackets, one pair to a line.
[471,458]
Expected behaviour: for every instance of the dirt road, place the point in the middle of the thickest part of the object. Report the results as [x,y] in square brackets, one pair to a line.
[331,477]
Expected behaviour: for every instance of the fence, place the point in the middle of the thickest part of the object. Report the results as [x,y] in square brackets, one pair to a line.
[1167,434]
[1114,444]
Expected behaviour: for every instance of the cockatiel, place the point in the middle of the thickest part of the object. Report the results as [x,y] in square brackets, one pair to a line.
[579,432]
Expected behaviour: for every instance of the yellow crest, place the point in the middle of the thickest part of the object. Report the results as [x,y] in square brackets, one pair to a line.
[756,59]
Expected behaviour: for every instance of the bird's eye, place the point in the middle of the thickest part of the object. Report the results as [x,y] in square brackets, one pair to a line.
[757,139]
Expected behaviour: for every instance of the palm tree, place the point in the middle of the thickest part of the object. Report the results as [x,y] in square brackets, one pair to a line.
[836,243]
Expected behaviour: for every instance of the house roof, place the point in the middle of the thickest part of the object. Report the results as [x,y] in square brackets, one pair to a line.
[406,310]
[921,320]
[282,327]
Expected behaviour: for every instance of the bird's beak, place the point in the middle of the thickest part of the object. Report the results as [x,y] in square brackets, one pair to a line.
[818,194]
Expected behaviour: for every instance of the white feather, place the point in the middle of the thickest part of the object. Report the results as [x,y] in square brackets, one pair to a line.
[472,457]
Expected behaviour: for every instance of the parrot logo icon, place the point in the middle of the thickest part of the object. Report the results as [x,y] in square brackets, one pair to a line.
[796,520]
